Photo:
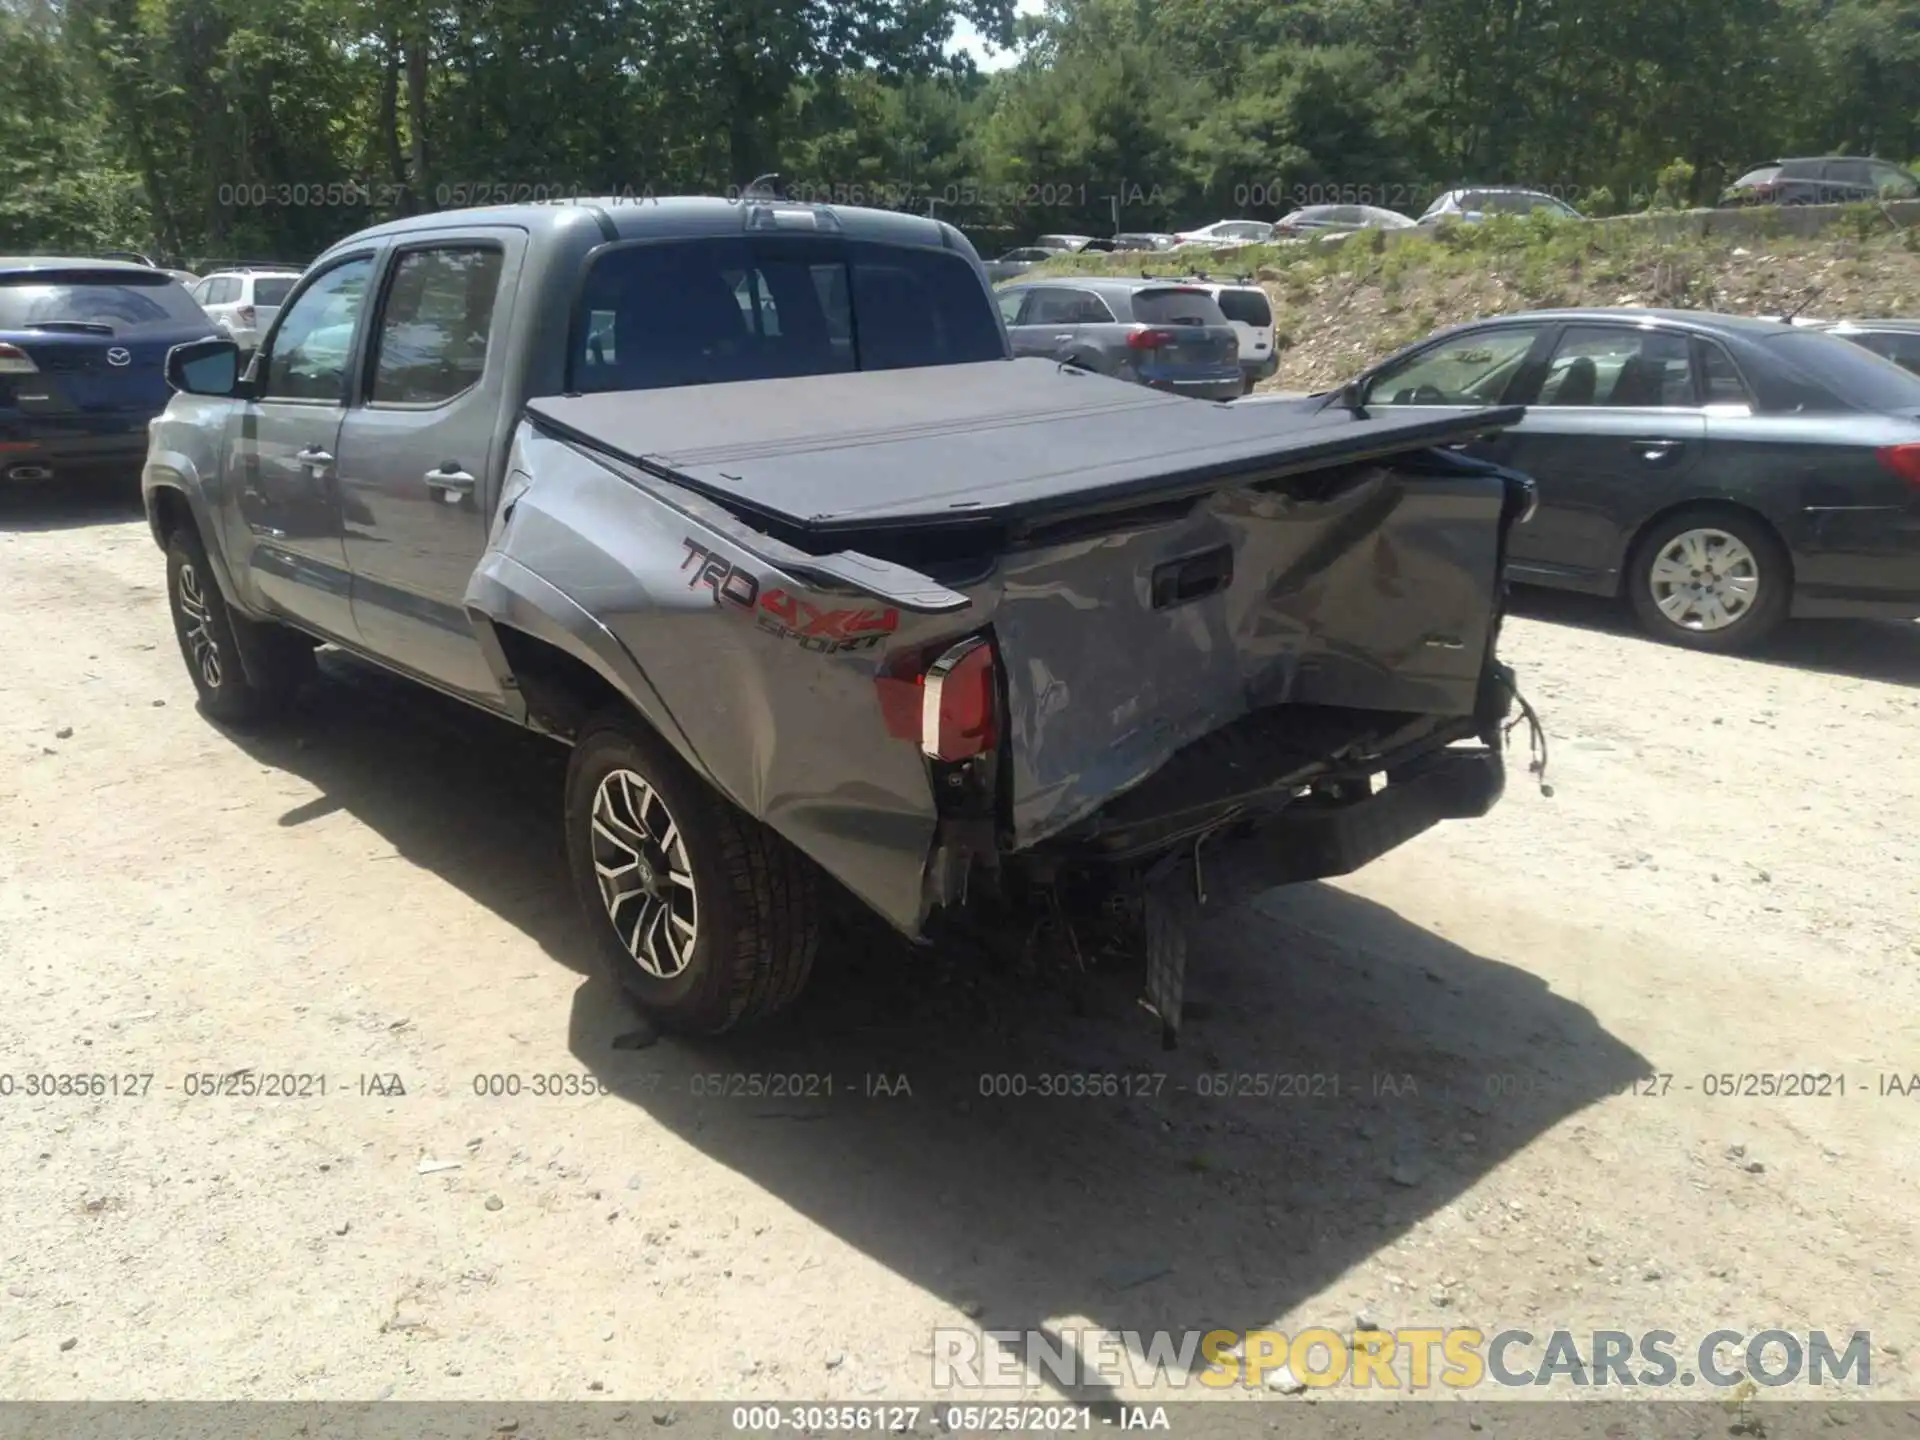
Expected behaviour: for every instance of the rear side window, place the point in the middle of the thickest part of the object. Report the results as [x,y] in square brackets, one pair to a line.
[1176,307]
[1249,307]
[434,324]
[272,290]
[1900,347]
[1720,380]
[1849,371]
[125,304]
[223,290]
[697,312]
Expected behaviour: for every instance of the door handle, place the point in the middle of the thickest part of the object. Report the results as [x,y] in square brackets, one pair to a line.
[314,455]
[1656,449]
[1063,337]
[451,480]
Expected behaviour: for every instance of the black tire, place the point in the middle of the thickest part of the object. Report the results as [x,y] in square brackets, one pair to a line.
[210,637]
[1763,613]
[752,900]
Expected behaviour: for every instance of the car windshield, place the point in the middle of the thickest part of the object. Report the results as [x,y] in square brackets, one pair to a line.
[660,314]
[1764,175]
[128,303]
[1176,307]
[1854,373]
[272,290]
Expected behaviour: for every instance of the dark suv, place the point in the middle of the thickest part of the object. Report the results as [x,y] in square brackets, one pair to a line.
[1822,180]
[83,351]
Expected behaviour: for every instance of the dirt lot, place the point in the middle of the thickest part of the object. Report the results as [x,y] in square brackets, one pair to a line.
[1725,881]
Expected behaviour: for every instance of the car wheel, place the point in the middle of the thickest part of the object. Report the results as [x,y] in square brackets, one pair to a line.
[1711,580]
[209,634]
[701,914]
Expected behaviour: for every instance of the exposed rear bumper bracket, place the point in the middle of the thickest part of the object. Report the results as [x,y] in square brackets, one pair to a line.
[1306,842]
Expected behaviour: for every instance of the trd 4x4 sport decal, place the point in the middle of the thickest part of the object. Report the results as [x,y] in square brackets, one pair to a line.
[826,632]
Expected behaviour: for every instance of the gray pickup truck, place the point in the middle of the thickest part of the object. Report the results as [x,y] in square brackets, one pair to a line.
[750,505]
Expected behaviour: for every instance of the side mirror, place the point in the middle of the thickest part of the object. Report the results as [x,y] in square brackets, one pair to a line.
[204,367]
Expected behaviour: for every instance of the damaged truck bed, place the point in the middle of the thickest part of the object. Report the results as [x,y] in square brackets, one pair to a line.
[750,505]
[981,630]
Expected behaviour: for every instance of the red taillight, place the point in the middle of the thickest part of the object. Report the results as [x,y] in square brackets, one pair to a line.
[1902,460]
[1149,339]
[957,707]
[244,315]
[15,361]
[943,699]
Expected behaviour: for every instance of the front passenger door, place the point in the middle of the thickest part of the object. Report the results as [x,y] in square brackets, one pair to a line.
[285,440]
[418,456]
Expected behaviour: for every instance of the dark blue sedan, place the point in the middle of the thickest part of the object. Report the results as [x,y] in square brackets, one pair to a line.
[1722,473]
[83,350]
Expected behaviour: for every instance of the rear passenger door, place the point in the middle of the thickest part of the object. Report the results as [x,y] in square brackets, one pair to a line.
[421,447]
[1047,321]
[1611,436]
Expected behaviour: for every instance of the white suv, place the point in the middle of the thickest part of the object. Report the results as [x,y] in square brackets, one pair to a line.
[243,302]
[1250,312]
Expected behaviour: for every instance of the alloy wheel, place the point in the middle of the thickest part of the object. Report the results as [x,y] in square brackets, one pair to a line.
[646,881]
[201,645]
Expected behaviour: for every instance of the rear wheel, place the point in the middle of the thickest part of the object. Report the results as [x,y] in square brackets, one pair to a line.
[1710,580]
[210,636]
[701,914]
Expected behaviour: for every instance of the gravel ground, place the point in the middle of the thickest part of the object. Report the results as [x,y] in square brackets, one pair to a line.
[1724,881]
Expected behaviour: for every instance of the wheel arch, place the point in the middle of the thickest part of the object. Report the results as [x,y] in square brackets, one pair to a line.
[559,665]
[1701,505]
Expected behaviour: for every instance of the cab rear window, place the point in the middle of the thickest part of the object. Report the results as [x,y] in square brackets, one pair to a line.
[696,312]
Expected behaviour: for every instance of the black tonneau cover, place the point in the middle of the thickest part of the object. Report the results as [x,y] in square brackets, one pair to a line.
[1004,440]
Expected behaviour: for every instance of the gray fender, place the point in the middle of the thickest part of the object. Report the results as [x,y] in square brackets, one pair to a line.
[505,592]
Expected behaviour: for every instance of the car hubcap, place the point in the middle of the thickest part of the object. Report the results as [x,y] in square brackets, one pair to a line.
[646,882]
[1704,579]
[203,649]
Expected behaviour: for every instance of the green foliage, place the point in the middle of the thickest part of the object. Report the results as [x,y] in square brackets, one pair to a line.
[227,128]
[1673,188]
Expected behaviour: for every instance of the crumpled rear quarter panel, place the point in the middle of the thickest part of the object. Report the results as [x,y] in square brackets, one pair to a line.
[791,734]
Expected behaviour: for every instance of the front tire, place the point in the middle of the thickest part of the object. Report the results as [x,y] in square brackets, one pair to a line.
[1714,580]
[209,635]
[703,916]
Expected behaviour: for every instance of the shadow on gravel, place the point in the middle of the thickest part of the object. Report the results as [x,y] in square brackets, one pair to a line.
[1885,650]
[70,504]
[1346,1073]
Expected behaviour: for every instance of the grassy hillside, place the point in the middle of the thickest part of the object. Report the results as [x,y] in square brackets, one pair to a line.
[1339,307]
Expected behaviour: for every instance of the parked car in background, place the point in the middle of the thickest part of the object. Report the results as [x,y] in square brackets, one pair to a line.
[1143,240]
[1895,340]
[1477,203]
[1168,335]
[83,349]
[1070,243]
[1250,312]
[1018,262]
[1223,234]
[1822,180]
[1324,219]
[1723,472]
[243,302]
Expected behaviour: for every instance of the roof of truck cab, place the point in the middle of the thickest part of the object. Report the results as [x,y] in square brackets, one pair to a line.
[1006,440]
[693,216]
